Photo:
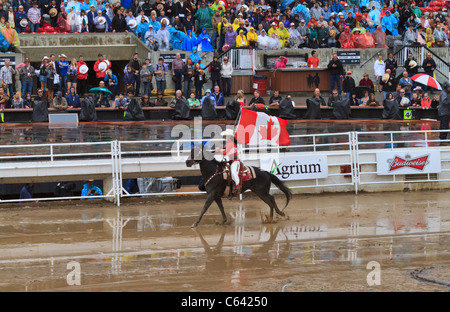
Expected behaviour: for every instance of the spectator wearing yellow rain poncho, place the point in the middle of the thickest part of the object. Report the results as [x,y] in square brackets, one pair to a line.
[241,40]
[252,37]
[281,33]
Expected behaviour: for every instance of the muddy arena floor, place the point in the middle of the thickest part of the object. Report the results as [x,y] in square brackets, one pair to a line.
[328,242]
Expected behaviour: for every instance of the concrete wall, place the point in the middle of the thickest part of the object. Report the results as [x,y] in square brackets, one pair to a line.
[118,46]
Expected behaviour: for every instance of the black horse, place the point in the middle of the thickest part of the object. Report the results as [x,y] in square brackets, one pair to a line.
[215,184]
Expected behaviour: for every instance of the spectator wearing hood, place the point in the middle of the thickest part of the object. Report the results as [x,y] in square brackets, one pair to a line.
[230,37]
[204,16]
[390,24]
[241,39]
[189,42]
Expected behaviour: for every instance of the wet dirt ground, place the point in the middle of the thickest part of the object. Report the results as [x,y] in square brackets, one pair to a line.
[325,243]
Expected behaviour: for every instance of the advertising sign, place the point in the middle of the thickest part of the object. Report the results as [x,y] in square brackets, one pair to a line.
[408,162]
[297,167]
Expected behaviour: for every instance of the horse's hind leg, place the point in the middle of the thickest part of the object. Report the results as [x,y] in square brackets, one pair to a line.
[270,200]
[208,203]
[222,210]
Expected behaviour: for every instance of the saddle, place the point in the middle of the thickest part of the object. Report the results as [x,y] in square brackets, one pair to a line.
[245,173]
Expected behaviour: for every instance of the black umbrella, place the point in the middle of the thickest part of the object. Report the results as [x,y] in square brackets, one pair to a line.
[359,91]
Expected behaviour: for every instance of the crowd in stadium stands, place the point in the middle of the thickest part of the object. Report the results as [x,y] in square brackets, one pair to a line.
[201,27]
[218,24]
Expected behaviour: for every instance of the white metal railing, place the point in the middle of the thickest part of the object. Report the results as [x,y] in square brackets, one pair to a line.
[420,53]
[349,150]
[396,141]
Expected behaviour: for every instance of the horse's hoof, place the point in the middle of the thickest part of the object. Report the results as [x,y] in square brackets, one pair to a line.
[194,225]
[281,213]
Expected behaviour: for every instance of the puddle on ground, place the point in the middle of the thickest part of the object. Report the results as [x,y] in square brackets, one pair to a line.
[324,244]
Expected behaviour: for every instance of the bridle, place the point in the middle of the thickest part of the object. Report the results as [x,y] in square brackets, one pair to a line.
[216,173]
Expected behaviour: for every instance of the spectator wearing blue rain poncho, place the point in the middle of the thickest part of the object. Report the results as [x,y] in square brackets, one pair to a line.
[302,12]
[189,42]
[4,44]
[390,24]
[156,25]
[336,7]
[327,12]
[141,29]
[176,38]
[284,4]
[364,5]
[194,56]
[374,14]
[204,42]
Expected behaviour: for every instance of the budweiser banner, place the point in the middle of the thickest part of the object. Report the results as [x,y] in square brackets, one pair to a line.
[408,162]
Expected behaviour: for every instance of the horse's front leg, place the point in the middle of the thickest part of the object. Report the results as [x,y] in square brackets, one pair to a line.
[209,200]
[222,210]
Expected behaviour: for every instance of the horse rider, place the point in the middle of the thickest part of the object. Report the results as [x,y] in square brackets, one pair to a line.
[231,156]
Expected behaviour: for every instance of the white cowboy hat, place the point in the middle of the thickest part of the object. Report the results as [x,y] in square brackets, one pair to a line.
[227,132]
[412,64]
[84,69]
[23,22]
[167,21]
[62,55]
[101,20]
[102,67]
[132,23]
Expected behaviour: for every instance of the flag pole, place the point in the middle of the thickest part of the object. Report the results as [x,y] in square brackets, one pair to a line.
[237,118]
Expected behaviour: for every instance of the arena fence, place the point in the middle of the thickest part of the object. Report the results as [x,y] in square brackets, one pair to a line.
[354,161]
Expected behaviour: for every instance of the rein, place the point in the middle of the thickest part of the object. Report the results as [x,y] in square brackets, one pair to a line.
[214,175]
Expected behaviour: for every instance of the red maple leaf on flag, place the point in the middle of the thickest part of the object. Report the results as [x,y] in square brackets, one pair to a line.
[269,131]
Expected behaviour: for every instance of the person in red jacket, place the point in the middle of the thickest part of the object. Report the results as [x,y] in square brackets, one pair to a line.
[366,82]
[82,76]
[231,155]
[99,74]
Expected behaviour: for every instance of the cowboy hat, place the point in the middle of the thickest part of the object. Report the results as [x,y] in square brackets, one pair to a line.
[385,78]
[84,69]
[101,20]
[132,23]
[53,12]
[62,55]
[23,22]
[227,132]
[412,64]
[102,67]
[167,21]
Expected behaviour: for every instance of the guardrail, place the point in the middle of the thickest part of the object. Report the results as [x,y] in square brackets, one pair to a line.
[420,53]
[351,159]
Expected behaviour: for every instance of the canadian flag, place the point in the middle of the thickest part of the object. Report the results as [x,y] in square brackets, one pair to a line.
[256,128]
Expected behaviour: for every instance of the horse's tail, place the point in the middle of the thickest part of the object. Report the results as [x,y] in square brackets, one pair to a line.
[287,192]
